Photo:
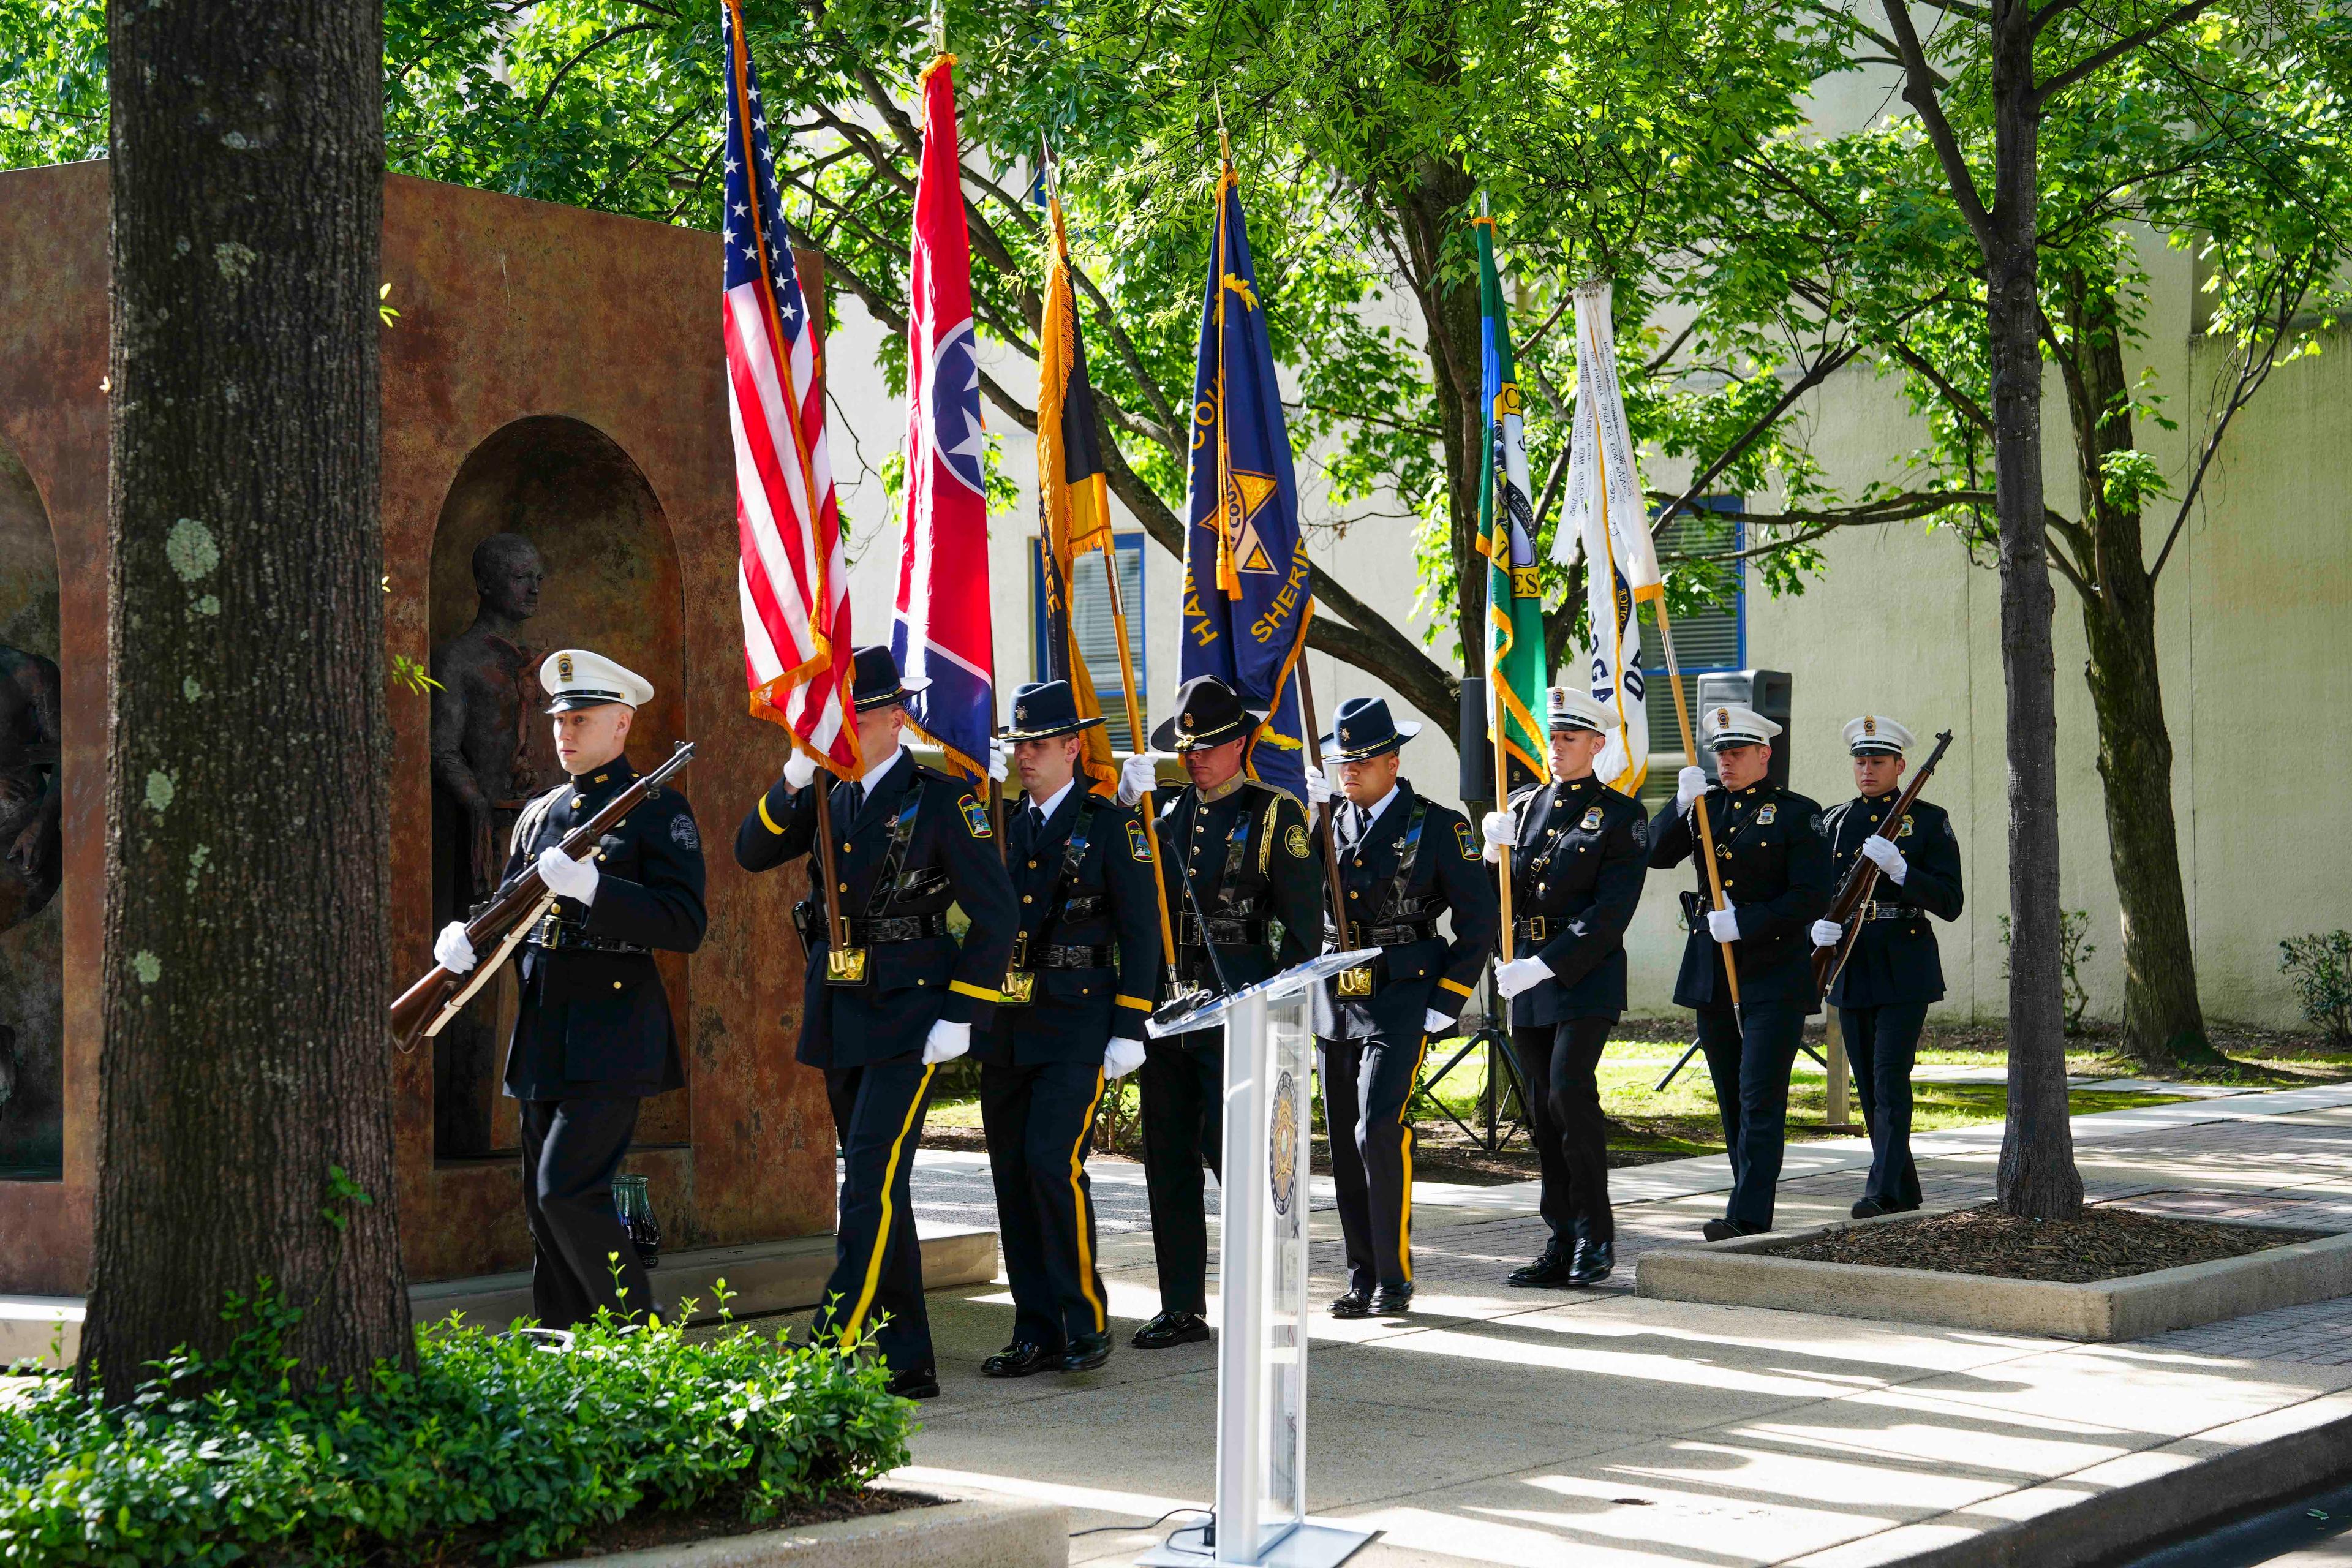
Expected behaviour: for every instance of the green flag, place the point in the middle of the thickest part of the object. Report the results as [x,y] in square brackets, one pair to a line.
[1506,526]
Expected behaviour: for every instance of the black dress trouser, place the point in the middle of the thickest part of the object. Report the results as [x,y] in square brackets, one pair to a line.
[1039,1121]
[1557,1063]
[571,1148]
[1183,1092]
[1750,1069]
[1366,1083]
[878,1264]
[1882,1043]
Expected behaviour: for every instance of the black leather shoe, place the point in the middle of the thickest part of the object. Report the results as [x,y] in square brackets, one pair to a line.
[1723,1230]
[1356,1304]
[1167,1330]
[1551,1269]
[1594,1259]
[1392,1301]
[916,1383]
[1087,1352]
[1019,1359]
[1870,1208]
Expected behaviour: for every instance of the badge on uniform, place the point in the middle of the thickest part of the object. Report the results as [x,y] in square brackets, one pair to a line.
[844,965]
[1462,835]
[1356,981]
[1020,987]
[1591,820]
[1764,817]
[1138,843]
[1905,831]
[975,817]
[1296,842]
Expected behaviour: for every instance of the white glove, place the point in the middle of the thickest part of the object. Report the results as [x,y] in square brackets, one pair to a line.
[799,769]
[1433,1022]
[1121,1056]
[451,951]
[567,877]
[946,1042]
[1723,925]
[1137,777]
[1886,857]
[1826,933]
[1521,974]
[1689,784]
[1000,765]
[1318,788]
[1496,827]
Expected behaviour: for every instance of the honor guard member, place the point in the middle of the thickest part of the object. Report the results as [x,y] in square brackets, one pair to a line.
[1893,972]
[1404,861]
[1775,867]
[592,1036]
[1085,967]
[899,996]
[1579,853]
[1246,848]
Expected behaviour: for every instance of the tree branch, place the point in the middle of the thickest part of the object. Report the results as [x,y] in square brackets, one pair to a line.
[1919,92]
[2116,50]
[1821,371]
[1969,407]
[565,68]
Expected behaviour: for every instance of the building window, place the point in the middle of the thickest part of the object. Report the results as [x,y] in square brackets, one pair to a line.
[1098,638]
[1714,638]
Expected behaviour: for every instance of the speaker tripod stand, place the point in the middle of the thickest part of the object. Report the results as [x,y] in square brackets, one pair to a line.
[1502,1070]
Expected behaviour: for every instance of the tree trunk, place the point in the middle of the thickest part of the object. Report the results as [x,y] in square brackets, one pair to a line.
[2163,1022]
[243,1064]
[2037,1178]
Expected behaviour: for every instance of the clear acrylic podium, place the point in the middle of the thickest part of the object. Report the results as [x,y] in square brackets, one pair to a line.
[1263,1312]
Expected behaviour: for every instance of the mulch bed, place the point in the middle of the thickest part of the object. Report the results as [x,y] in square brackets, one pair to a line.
[716,1521]
[2104,1244]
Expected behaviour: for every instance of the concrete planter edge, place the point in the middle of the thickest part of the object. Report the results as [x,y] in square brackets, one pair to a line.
[969,1531]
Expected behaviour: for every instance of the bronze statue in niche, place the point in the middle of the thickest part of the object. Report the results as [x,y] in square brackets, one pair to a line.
[491,753]
[32,858]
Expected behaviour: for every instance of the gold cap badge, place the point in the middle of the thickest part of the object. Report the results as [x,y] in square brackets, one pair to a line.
[563,666]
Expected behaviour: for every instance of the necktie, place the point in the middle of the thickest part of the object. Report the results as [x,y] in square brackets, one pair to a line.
[853,800]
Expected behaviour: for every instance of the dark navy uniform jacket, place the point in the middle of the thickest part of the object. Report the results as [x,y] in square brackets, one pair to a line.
[949,857]
[1894,960]
[1580,856]
[594,1022]
[1774,863]
[1105,903]
[1422,974]
[1278,872]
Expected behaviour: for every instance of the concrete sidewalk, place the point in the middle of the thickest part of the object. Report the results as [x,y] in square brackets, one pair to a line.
[1553,1427]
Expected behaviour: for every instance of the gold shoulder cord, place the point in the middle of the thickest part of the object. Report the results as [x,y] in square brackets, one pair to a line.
[1265,837]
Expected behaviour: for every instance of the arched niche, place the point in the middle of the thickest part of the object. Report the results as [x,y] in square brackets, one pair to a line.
[32,942]
[611,584]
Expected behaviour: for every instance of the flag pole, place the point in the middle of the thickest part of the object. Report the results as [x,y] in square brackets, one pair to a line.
[836,933]
[1314,739]
[1690,751]
[1135,736]
[1494,721]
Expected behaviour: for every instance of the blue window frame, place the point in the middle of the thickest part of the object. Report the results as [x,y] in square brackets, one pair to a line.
[1098,638]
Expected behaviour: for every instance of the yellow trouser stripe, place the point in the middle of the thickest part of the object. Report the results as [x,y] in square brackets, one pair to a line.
[857,1323]
[1454,985]
[769,820]
[1138,1002]
[965,988]
[1405,1139]
[1078,1203]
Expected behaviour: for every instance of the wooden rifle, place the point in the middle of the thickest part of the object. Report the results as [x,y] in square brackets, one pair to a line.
[500,925]
[1829,962]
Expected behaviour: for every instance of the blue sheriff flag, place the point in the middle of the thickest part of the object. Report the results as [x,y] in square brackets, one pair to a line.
[1249,591]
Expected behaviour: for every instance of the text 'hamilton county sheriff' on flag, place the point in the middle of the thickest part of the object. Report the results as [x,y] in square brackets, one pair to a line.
[792,568]
[1248,591]
[943,632]
[1515,630]
[1074,497]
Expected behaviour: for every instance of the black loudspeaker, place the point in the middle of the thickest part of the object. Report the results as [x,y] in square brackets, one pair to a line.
[1765,690]
[1476,783]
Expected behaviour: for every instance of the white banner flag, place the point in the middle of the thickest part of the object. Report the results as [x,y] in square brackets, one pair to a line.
[1605,517]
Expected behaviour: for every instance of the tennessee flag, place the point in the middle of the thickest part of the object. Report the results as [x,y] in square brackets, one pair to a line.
[1075,497]
[943,632]
[1249,591]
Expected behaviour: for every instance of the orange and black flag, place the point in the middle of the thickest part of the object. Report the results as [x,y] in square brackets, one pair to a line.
[1074,499]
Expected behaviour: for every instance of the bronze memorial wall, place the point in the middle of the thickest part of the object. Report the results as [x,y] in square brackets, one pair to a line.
[556,473]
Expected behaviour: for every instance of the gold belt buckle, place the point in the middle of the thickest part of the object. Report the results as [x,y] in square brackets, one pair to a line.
[844,965]
[551,930]
[1356,981]
[1020,988]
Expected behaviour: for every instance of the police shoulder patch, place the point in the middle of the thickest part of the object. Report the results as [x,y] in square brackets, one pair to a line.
[1138,843]
[1641,833]
[1295,841]
[1469,846]
[975,817]
[683,834]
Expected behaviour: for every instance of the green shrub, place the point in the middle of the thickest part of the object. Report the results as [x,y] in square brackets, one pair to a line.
[2320,965]
[495,1447]
[2073,952]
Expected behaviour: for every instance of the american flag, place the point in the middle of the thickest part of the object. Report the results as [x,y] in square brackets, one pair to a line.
[792,574]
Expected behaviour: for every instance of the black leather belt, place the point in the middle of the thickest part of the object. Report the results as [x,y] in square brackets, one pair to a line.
[1226,932]
[553,935]
[1540,927]
[1385,936]
[1098,957]
[1872,910]
[867,931]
